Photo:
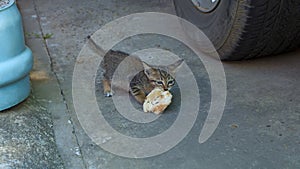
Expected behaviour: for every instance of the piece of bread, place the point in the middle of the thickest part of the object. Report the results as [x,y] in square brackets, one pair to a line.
[157,101]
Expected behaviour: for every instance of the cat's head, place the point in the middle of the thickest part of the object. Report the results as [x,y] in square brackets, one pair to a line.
[162,76]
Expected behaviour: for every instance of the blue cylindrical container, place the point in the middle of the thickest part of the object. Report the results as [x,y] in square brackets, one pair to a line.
[15,58]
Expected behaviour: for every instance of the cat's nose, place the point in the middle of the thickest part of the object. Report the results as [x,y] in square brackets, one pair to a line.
[166,89]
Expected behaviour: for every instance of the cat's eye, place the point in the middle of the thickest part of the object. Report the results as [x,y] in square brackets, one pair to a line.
[159,83]
[171,82]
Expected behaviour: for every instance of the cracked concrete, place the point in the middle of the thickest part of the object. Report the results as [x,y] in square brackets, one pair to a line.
[66,140]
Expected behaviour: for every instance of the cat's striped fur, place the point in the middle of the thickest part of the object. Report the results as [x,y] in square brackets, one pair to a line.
[143,82]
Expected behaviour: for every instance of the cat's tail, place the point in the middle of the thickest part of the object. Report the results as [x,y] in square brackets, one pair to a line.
[98,49]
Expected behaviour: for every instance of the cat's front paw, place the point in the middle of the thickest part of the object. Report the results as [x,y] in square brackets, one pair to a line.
[108,93]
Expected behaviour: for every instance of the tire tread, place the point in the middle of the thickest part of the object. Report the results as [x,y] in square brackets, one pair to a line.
[272,27]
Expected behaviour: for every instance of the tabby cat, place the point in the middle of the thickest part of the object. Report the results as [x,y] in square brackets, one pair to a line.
[143,82]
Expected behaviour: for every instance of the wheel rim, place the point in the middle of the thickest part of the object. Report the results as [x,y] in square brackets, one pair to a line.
[206,5]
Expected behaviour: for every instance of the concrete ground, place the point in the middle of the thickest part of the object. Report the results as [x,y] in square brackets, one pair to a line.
[260,127]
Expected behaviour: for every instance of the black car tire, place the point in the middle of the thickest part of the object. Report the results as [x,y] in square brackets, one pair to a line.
[243,29]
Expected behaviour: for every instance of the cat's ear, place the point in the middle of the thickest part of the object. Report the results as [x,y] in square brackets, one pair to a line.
[172,68]
[147,69]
